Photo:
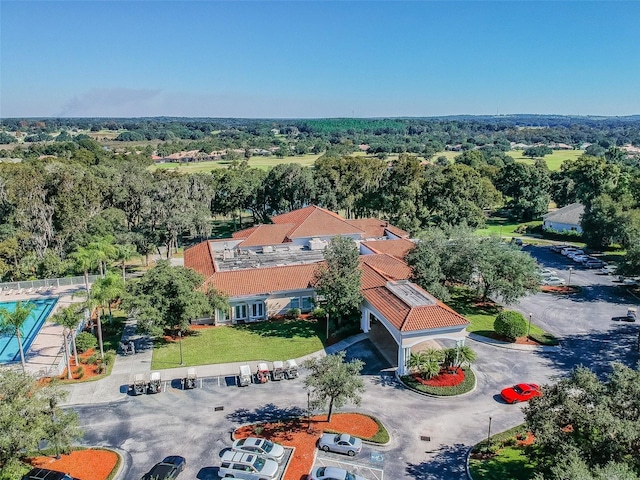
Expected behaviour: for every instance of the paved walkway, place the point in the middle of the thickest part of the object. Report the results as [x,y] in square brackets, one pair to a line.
[115,387]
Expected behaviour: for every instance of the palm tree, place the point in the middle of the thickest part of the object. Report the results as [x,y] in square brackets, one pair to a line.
[85,259]
[427,362]
[104,250]
[125,253]
[466,355]
[103,291]
[12,322]
[69,318]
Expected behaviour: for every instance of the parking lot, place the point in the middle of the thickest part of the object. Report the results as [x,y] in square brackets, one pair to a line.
[366,470]
[429,436]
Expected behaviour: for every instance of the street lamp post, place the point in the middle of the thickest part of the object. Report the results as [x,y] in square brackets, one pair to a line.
[570,270]
[180,342]
[309,411]
[327,315]
[489,434]
[529,329]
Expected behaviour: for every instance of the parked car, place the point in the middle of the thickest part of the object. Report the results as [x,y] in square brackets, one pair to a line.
[558,248]
[520,392]
[569,250]
[46,474]
[340,443]
[553,281]
[609,269]
[547,272]
[333,473]
[259,446]
[167,469]
[630,282]
[247,466]
[594,263]
[578,258]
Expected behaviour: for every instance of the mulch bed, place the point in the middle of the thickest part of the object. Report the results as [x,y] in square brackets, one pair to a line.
[559,289]
[296,433]
[86,464]
[444,379]
[519,340]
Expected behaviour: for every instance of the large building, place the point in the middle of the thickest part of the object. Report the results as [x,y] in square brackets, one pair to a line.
[266,270]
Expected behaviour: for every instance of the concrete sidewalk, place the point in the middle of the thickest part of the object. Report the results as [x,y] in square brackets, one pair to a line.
[115,387]
[512,346]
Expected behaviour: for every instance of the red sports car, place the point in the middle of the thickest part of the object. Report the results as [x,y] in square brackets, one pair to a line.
[520,392]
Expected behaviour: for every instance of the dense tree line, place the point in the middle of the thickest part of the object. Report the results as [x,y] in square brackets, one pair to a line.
[64,197]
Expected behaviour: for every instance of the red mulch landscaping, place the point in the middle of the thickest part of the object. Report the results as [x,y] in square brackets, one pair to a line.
[295,433]
[444,379]
[84,464]
[89,371]
[559,289]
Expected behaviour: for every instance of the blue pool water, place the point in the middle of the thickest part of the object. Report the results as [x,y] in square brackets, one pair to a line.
[9,351]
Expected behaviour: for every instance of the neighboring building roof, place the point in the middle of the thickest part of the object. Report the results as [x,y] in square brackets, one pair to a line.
[389,267]
[271,234]
[375,228]
[314,221]
[570,215]
[396,248]
[262,281]
[200,259]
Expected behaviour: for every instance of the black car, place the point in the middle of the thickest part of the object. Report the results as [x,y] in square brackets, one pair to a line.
[167,469]
[45,474]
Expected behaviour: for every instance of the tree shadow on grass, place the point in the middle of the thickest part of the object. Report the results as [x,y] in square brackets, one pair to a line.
[465,301]
[285,328]
[448,464]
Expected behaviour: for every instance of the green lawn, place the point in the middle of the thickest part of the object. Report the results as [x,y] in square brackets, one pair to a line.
[504,227]
[554,160]
[463,301]
[509,461]
[273,340]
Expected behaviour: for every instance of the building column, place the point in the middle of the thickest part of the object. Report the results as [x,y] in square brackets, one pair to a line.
[365,325]
[404,354]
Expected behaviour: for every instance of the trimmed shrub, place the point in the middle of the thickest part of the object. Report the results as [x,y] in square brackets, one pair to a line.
[294,313]
[109,357]
[92,360]
[85,341]
[510,324]
[319,313]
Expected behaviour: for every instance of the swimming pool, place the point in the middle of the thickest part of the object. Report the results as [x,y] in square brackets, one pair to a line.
[9,351]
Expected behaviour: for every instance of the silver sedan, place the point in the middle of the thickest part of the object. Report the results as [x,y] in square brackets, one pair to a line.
[341,443]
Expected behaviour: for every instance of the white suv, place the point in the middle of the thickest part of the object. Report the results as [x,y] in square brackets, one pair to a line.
[247,466]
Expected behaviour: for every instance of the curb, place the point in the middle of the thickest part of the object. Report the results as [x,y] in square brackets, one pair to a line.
[513,346]
[466,465]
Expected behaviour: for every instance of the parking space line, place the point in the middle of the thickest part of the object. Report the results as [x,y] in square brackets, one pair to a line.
[378,474]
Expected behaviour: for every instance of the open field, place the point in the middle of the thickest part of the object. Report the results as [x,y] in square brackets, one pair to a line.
[553,160]
[263,163]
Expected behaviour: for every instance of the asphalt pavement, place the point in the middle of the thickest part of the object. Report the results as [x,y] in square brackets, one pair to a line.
[429,436]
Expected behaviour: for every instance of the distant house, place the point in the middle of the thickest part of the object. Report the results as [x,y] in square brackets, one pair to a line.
[564,219]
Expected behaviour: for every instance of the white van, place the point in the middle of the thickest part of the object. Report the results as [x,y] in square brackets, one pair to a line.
[247,466]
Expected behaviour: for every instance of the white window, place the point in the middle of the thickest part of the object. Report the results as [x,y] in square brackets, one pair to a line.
[240,311]
[295,302]
[257,309]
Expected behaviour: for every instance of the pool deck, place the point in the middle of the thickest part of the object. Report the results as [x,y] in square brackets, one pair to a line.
[46,351]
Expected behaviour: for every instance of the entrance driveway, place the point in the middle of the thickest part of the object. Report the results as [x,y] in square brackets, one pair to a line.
[429,436]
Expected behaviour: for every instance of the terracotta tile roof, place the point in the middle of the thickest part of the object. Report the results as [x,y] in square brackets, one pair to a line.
[314,221]
[257,281]
[200,259]
[375,228]
[265,235]
[371,278]
[411,319]
[244,233]
[396,248]
[387,266]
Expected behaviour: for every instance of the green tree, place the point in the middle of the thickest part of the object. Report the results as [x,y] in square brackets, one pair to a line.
[218,301]
[334,380]
[584,417]
[11,323]
[68,318]
[527,188]
[123,255]
[165,298]
[591,176]
[505,270]
[630,263]
[85,259]
[539,151]
[29,414]
[338,279]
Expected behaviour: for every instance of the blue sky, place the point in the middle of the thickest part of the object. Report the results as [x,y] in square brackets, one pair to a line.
[318,58]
